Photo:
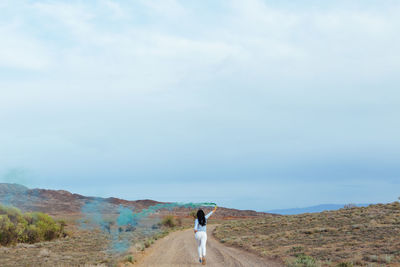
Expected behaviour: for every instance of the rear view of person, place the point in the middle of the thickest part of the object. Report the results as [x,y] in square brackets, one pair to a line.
[200,230]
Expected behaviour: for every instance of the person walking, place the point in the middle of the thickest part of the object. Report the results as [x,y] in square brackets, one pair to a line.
[200,233]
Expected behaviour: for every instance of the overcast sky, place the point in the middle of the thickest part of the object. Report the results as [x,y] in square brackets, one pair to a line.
[251,104]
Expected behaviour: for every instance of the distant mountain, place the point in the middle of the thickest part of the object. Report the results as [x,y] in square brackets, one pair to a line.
[312,209]
[61,202]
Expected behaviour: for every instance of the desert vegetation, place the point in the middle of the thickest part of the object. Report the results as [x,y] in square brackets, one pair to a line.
[81,247]
[171,221]
[32,227]
[354,236]
[31,239]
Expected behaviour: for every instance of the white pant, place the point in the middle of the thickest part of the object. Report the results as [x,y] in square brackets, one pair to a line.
[201,238]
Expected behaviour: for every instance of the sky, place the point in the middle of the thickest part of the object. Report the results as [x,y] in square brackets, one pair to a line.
[251,104]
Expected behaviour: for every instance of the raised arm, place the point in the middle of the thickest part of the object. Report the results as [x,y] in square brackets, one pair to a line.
[211,212]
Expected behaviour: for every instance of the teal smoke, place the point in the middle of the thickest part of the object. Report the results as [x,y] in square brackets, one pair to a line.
[122,228]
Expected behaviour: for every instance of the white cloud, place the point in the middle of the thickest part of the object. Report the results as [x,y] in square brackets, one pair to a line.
[165,8]
[116,8]
[134,84]
[75,17]
[21,51]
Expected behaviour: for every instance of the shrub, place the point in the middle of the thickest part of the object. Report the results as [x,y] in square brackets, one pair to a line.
[8,234]
[193,214]
[27,228]
[32,234]
[303,260]
[168,221]
[48,229]
[296,250]
[148,243]
[345,264]
[387,259]
[129,258]
[371,258]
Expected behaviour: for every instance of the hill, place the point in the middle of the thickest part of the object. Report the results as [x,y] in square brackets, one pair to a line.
[361,236]
[57,202]
[61,202]
[100,231]
[312,209]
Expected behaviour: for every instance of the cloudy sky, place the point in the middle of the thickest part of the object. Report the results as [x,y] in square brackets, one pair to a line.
[251,104]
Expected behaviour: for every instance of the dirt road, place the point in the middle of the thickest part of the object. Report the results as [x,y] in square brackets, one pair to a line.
[180,249]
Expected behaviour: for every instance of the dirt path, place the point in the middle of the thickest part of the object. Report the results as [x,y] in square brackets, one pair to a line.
[180,249]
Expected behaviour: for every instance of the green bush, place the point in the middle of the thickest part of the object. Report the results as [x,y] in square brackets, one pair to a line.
[27,228]
[129,258]
[7,230]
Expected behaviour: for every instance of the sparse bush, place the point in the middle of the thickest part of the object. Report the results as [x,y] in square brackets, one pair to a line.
[148,243]
[27,228]
[371,258]
[303,260]
[193,214]
[169,221]
[387,259]
[129,258]
[345,264]
[296,250]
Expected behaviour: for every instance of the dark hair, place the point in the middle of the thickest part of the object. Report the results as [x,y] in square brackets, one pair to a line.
[201,218]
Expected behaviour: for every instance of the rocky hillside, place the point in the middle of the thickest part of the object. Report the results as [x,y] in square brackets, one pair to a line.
[60,202]
[57,201]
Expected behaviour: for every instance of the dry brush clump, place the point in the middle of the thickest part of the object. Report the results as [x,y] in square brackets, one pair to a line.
[169,221]
[355,236]
[18,227]
[79,248]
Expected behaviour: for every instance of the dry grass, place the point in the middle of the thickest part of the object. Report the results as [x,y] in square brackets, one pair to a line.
[367,236]
[89,247]
[79,248]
